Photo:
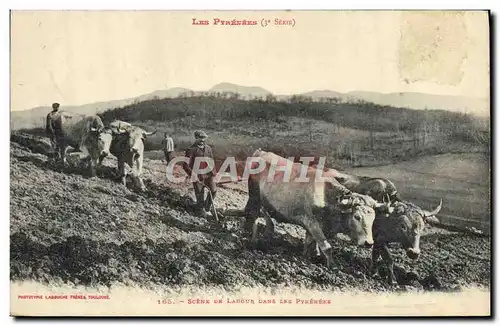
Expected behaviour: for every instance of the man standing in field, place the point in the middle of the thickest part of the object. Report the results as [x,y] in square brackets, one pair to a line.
[49,127]
[200,149]
[168,147]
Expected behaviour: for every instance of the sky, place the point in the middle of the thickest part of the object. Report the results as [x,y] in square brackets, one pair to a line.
[80,57]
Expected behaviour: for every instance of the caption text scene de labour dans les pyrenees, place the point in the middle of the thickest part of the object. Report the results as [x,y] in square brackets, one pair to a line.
[248,301]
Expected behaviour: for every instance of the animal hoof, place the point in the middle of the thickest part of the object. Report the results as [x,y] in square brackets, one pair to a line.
[316,259]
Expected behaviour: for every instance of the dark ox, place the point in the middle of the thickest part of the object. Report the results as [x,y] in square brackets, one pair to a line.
[402,223]
[320,206]
[380,189]
[128,147]
[86,134]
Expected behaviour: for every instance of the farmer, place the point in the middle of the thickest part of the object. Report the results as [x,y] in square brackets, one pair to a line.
[200,149]
[49,128]
[168,147]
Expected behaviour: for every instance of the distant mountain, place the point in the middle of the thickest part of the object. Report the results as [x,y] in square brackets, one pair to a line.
[243,91]
[325,93]
[163,93]
[480,107]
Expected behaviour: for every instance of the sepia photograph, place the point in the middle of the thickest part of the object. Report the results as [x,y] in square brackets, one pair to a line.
[250,163]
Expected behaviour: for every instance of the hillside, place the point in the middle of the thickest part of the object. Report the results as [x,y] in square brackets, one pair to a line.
[32,118]
[461,104]
[347,134]
[68,229]
[360,134]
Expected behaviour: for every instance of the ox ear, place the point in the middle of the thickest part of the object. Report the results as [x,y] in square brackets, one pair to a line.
[432,220]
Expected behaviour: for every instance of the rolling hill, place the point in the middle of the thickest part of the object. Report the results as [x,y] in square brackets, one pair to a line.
[243,91]
[35,117]
[423,101]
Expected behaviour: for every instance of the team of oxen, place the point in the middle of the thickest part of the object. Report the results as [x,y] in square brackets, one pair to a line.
[88,136]
[368,210]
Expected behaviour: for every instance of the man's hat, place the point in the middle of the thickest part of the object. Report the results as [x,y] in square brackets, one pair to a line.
[200,134]
[55,105]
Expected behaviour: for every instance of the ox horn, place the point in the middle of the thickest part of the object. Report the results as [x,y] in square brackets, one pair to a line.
[149,133]
[435,211]
[116,130]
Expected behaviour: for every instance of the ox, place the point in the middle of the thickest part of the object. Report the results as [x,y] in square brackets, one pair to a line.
[378,188]
[84,133]
[403,223]
[319,205]
[128,147]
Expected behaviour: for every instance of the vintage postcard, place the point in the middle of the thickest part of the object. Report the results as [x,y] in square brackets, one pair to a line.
[250,163]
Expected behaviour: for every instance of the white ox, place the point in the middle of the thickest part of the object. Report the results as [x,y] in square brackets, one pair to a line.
[85,133]
[128,147]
